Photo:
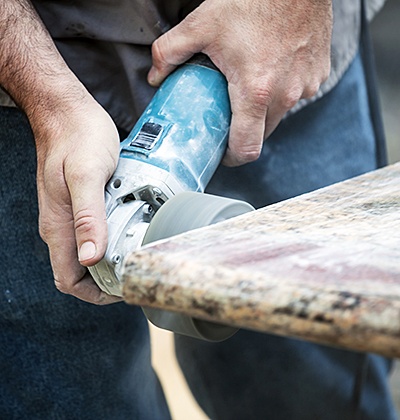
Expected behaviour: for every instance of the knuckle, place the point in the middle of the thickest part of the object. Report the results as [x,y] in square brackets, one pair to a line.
[291,97]
[160,48]
[43,231]
[157,51]
[88,179]
[250,156]
[311,89]
[83,174]
[75,177]
[84,221]
[247,154]
[259,95]
[191,23]
[61,287]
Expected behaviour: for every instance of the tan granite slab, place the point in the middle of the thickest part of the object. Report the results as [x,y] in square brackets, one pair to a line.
[323,267]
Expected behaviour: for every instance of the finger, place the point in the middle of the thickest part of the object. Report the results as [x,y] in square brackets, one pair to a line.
[73,279]
[173,48]
[249,111]
[89,217]
[288,95]
[256,115]
[85,289]
[274,117]
[70,277]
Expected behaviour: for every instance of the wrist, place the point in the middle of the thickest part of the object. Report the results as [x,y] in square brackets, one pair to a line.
[55,99]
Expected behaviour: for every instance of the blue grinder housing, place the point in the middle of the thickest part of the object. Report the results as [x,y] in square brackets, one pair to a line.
[184,130]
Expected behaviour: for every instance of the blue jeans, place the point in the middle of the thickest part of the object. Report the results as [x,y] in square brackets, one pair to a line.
[60,358]
[260,376]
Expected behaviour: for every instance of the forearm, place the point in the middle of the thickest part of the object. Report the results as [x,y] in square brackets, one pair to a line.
[31,69]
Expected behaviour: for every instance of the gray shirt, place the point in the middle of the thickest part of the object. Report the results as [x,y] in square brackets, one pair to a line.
[107,45]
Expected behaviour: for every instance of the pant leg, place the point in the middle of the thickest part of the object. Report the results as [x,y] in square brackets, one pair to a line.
[260,376]
[60,358]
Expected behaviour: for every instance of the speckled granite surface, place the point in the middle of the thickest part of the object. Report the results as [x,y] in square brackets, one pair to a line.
[323,267]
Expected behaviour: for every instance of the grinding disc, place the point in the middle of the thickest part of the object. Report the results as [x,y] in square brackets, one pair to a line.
[187,211]
[190,210]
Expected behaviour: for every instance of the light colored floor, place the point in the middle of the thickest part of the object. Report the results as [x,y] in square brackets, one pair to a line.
[180,400]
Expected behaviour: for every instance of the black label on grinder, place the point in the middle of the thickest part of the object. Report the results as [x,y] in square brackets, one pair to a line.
[148,136]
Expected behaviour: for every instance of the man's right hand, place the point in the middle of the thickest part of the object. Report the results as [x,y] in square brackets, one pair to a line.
[77,148]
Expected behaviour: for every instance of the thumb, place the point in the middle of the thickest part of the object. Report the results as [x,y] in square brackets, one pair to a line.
[89,215]
[173,48]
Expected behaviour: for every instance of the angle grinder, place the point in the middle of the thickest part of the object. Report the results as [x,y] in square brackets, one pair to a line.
[157,189]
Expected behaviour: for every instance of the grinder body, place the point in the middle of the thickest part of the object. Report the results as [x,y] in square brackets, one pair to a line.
[184,129]
[175,146]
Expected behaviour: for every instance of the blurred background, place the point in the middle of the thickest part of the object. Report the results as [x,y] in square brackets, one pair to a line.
[386,39]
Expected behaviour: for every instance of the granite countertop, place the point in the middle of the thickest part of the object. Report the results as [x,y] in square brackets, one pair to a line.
[324,267]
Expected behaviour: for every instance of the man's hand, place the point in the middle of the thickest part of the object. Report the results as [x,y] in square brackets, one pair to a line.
[77,154]
[77,148]
[273,53]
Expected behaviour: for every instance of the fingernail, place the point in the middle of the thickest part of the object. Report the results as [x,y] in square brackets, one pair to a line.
[86,251]
[152,77]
